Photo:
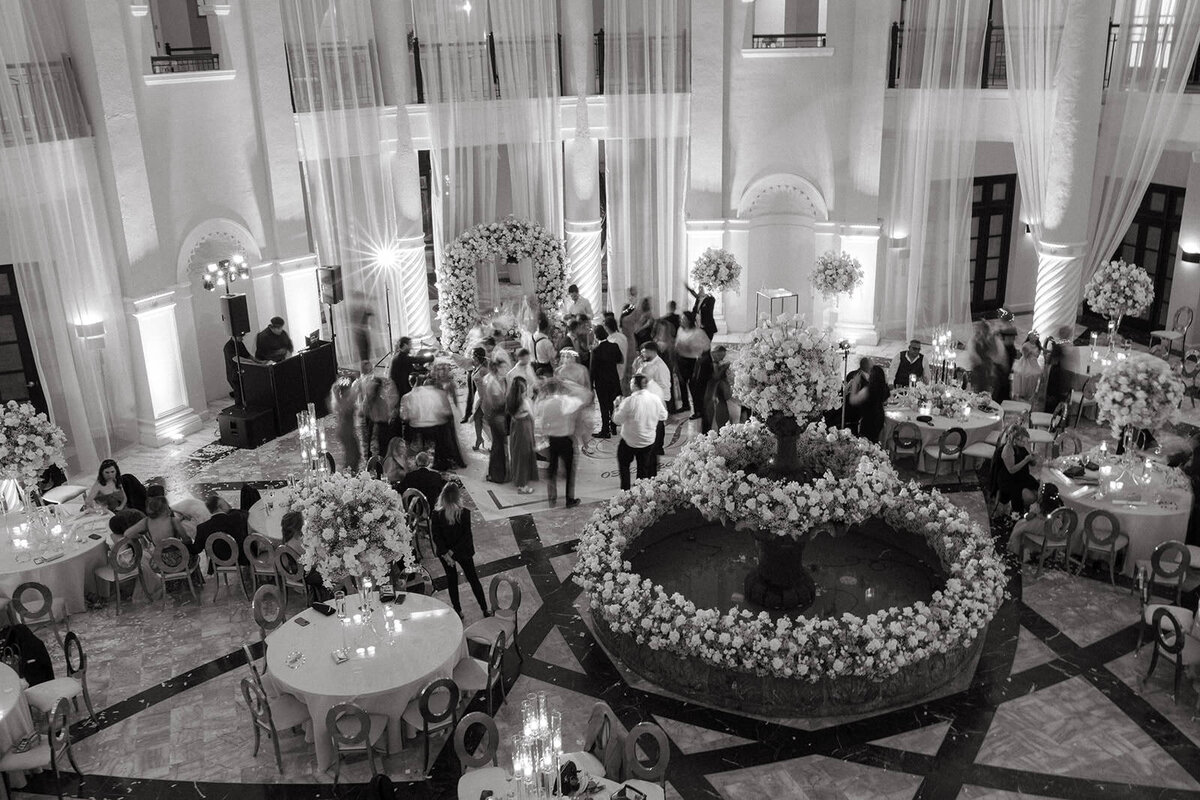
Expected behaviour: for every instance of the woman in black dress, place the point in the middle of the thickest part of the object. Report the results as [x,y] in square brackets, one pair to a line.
[453,541]
[1014,481]
[869,400]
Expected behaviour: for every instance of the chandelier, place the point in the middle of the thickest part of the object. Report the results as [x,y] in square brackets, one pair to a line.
[219,274]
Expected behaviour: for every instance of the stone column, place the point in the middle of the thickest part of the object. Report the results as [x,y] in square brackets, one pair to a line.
[154,338]
[581,220]
[1074,136]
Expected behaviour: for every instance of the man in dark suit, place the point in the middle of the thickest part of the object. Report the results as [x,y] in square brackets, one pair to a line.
[607,364]
[404,364]
[224,519]
[423,479]
[705,304]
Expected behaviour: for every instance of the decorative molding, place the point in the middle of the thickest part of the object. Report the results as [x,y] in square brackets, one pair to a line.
[139,9]
[297,263]
[221,9]
[140,306]
[848,230]
[783,193]
[788,52]
[207,76]
[212,240]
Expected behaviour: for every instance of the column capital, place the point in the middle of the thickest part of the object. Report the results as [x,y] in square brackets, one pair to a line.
[139,306]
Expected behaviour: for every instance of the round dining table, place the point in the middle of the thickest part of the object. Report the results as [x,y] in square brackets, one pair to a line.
[265,517]
[15,720]
[384,671]
[64,564]
[977,426]
[1151,506]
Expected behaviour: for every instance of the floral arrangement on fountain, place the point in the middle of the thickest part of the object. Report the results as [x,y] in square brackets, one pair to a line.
[788,369]
[1138,392]
[513,238]
[874,647]
[29,443]
[1118,288]
[836,273]
[354,525]
[717,269]
[948,398]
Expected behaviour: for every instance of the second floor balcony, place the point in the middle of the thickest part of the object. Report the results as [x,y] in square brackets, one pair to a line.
[46,104]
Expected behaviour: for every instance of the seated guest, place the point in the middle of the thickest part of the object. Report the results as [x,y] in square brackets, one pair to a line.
[223,519]
[108,484]
[1014,483]
[123,520]
[159,524]
[119,525]
[910,364]
[273,342]
[35,666]
[423,479]
[395,463]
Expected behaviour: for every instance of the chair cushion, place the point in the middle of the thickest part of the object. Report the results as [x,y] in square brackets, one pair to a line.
[1191,650]
[1015,406]
[33,758]
[45,695]
[979,450]
[1039,539]
[485,630]
[652,790]
[1184,617]
[1040,419]
[1168,335]
[1041,437]
[933,450]
[288,712]
[471,674]
[1121,543]
[473,782]
[412,721]
[63,494]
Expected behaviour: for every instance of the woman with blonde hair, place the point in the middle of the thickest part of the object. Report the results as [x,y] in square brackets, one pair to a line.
[395,463]
[1014,482]
[454,544]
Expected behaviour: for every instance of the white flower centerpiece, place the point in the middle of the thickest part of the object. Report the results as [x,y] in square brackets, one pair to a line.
[354,525]
[1119,288]
[1138,392]
[941,398]
[716,269]
[788,375]
[29,443]
[836,274]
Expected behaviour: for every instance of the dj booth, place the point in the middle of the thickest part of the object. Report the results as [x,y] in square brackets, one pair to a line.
[275,393]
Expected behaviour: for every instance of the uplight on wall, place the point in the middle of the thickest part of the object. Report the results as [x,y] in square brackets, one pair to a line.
[92,335]
[1191,258]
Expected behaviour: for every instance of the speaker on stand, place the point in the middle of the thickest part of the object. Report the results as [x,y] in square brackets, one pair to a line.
[329,283]
[236,313]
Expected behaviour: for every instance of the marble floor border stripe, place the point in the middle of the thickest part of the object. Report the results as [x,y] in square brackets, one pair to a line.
[1069,788]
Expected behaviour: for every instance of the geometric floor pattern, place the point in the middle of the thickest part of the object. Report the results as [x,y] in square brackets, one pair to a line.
[1055,707]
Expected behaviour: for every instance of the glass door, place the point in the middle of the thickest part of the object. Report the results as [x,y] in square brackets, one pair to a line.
[19,378]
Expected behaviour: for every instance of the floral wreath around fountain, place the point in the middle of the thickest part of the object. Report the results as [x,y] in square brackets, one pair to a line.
[458,286]
[811,648]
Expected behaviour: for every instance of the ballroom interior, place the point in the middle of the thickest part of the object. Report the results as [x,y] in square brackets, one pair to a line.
[978,158]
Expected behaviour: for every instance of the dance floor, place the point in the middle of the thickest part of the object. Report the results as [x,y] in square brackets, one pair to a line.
[1054,708]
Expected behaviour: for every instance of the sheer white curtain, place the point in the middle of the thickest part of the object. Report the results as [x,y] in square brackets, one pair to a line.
[53,221]
[348,173]
[459,86]
[647,91]
[927,282]
[1156,42]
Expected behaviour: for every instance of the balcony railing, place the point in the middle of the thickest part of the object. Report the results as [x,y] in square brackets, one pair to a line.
[764,41]
[642,61]
[482,58]
[333,77]
[185,59]
[995,59]
[48,105]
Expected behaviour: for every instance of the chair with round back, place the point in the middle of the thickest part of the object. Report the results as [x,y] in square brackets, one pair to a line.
[474,674]
[1044,435]
[1055,536]
[480,776]
[291,573]
[330,465]
[419,581]
[267,607]
[1066,444]
[260,717]
[504,617]
[353,730]
[1185,617]
[435,709]
[1180,324]
[1189,370]
[1172,640]
[375,467]
[418,517]
[44,609]
[124,565]
[224,565]
[45,695]
[1102,540]
[1168,566]
[49,754]
[648,778]
[905,441]
[949,449]
[603,744]
[173,562]
[260,551]
[1043,419]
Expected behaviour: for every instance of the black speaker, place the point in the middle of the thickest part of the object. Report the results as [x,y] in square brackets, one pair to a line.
[330,279]
[246,428]
[236,313]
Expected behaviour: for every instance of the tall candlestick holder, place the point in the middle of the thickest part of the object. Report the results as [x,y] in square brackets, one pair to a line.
[537,751]
[945,354]
[311,435]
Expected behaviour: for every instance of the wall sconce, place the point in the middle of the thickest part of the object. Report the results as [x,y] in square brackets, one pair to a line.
[91,334]
[1028,228]
[898,241]
[226,271]
[1191,258]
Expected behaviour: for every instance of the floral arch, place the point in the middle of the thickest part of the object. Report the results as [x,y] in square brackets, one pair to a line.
[458,287]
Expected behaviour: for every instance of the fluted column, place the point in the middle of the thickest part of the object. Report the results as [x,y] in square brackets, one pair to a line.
[583,251]
[582,218]
[410,287]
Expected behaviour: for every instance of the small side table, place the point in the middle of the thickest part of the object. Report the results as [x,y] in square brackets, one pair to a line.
[772,296]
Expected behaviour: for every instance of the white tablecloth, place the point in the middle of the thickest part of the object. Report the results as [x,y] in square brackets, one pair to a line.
[1078,359]
[68,575]
[977,427]
[1147,524]
[15,721]
[266,523]
[430,643]
[475,781]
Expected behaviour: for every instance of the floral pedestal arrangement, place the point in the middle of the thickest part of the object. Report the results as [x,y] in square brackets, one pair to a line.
[1136,393]
[1116,289]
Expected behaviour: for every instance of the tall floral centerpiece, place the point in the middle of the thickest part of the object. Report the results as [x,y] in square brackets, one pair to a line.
[354,526]
[1138,392]
[835,274]
[717,270]
[1119,288]
[29,443]
[819,479]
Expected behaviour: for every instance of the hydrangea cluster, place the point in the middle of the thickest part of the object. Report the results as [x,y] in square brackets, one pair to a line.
[836,273]
[353,525]
[788,368]
[1141,390]
[29,443]
[1118,288]
[717,269]
[458,286]
[851,478]
[874,647]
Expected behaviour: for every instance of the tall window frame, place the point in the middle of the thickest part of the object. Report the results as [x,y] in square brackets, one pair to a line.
[992,202]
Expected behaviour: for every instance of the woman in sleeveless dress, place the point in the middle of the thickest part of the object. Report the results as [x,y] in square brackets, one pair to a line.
[522,458]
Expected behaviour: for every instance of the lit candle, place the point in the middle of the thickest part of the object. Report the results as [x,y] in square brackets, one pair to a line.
[358,619]
[370,650]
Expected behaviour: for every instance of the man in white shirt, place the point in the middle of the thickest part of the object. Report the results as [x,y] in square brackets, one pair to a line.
[525,369]
[640,416]
[557,413]
[577,306]
[615,336]
[427,416]
[659,375]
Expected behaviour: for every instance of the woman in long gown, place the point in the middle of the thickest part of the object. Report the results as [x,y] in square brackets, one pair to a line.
[522,459]
[492,400]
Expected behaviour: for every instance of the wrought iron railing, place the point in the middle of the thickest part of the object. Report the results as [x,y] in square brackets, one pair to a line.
[484,54]
[643,62]
[47,107]
[764,41]
[332,77]
[185,59]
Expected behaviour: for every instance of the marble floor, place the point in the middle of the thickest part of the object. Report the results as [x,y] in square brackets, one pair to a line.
[1055,707]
